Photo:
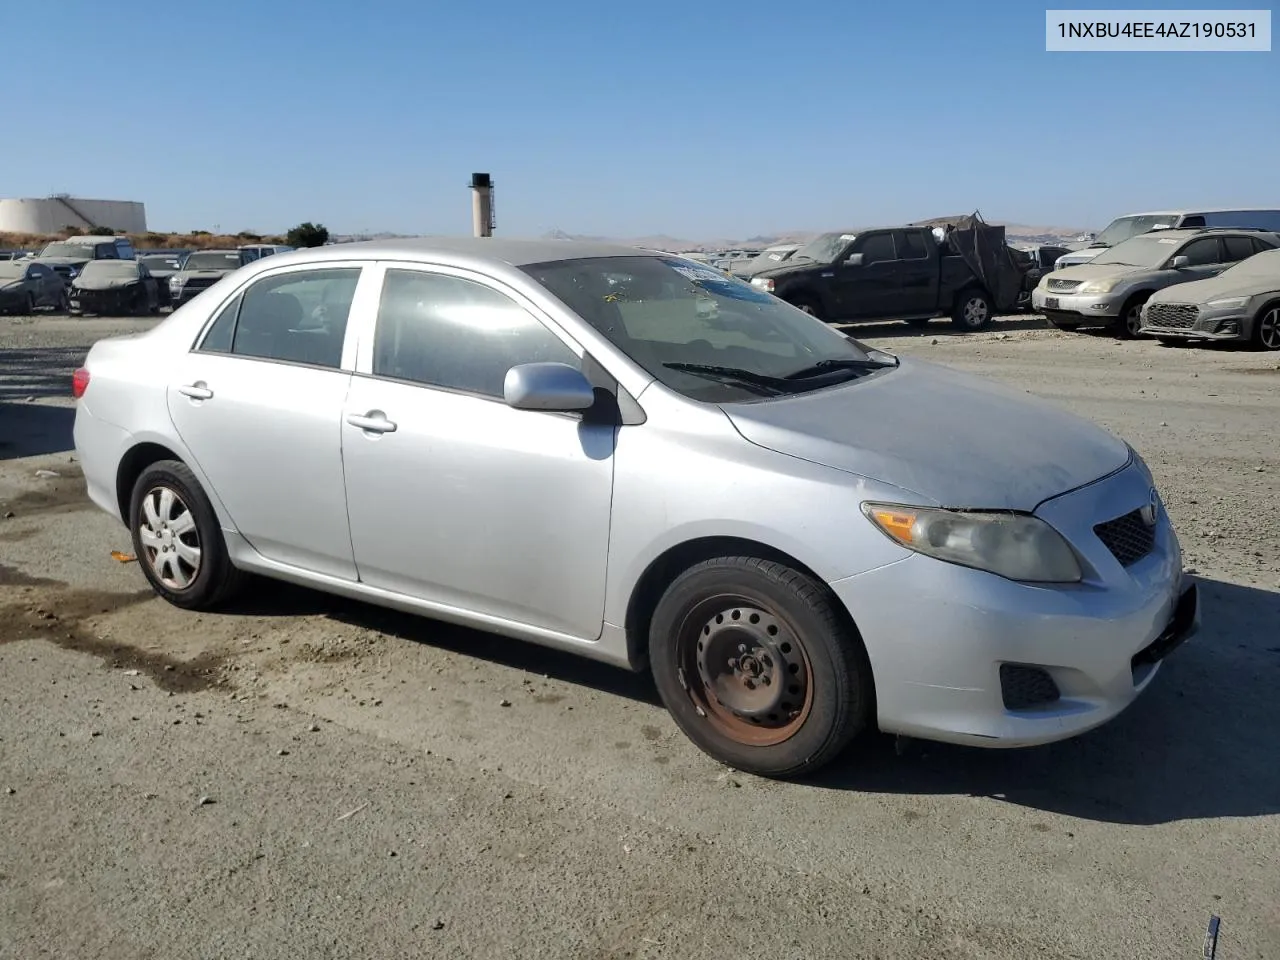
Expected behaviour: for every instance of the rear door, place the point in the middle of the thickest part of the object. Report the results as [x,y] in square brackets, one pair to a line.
[869,289]
[454,497]
[258,402]
[917,273]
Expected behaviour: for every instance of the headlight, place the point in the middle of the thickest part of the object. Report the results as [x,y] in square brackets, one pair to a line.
[1228,303]
[175,283]
[1015,546]
[72,272]
[1099,286]
[763,283]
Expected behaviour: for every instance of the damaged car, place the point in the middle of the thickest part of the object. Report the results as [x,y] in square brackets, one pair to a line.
[115,288]
[26,285]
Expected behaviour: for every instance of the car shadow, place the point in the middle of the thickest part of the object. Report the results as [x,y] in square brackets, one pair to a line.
[34,429]
[878,329]
[29,427]
[1198,744]
[267,598]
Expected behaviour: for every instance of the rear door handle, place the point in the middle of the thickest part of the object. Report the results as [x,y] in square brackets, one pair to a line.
[375,421]
[196,391]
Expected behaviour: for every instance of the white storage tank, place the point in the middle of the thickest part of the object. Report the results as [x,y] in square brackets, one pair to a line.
[53,214]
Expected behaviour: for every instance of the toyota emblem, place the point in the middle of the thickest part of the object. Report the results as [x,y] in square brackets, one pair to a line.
[1151,510]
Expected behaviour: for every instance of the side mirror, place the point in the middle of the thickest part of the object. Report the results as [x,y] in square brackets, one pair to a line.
[1177,263]
[853,260]
[547,386]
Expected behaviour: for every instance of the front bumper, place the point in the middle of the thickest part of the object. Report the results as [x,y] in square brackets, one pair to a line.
[104,301]
[951,647]
[1077,307]
[1220,326]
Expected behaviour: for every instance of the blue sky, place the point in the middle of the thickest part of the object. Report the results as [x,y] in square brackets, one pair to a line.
[698,120]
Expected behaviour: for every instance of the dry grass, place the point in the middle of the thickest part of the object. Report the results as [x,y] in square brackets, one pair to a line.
[142,241]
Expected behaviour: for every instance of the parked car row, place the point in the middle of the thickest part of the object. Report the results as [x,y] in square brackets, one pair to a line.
[107,275]
[1176,284]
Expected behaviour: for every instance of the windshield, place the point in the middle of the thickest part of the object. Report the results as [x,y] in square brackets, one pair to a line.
[161,263]
[1122,228]
[765,260]
[212,261]
[102,269]
[80,251]
[824,248]
[1144,251]
[669,314]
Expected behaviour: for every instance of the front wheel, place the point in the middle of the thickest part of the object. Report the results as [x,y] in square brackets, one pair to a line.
[1130,320]
[972,311]
[757,668]
[177,538]
[1266,329]
[809,306]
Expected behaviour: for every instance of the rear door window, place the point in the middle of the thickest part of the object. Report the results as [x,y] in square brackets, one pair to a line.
[1238,248]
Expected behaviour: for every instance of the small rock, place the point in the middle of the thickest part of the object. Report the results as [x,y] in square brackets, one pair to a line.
[95,733]
[131,673]
[377,703]
[47,474]
[933,342]
[149,796]
[8,514]
[504,703]
[1163,423]
[438,925]
[282,753]
[391,853]
[314,728]
[1259,469]
[29,400]
[9,791]
[205,801]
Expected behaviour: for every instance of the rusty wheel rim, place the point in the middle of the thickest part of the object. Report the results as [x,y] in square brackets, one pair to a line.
[746,671]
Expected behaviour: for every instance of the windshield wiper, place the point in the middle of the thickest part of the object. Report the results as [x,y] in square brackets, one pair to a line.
[747,377]
[848,363]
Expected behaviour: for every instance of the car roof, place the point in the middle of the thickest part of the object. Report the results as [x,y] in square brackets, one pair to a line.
[1186,233]
[515,252]
[1193,210]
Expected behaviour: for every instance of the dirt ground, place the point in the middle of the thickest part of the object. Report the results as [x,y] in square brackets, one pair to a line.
[316,778]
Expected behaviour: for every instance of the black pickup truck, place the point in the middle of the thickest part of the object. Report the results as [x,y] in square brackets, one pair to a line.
[901,273]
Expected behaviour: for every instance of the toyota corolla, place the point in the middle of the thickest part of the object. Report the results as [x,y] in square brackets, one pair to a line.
[632,457]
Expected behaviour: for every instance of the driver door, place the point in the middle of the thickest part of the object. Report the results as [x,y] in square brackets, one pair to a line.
[868,289]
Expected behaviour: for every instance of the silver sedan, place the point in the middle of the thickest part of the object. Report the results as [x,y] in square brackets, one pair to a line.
[632,457]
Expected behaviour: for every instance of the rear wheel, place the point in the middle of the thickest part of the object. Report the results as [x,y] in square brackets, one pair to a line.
[757,668]
[972,310]
[1266,328]
[177,538]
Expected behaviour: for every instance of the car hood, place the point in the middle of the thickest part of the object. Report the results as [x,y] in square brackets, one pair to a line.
[1098,271]
[792,266]
[1216,288]
[63,261]
[188,274]
[103,283]
[9,286]
[952,438]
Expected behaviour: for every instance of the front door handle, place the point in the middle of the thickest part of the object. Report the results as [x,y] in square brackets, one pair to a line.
[375,421]
[196,391]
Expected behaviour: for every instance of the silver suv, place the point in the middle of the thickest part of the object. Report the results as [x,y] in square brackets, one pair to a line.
[1110,289]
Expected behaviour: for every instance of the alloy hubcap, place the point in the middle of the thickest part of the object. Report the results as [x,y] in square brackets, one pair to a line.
[170,540]
[750,675]
[1133,320]
[1269,329]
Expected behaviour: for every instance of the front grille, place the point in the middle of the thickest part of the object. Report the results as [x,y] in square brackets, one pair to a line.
[1172,316]
[1129,538]
[199,283]
[1063,286]
[1022,687]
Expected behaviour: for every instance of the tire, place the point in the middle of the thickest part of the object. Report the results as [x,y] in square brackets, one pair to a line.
[173,492]
[64,303]
[1130,319]
[972,310]
[29,305]
[772,622]
[1266,328]
[810,306]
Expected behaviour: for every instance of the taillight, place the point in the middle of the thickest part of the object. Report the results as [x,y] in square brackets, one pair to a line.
[79,382]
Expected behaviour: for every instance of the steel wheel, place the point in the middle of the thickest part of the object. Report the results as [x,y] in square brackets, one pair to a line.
[1268,329]
[169,537]
[975,312]
[746,670]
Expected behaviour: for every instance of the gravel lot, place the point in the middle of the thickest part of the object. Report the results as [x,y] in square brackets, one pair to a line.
[311,777]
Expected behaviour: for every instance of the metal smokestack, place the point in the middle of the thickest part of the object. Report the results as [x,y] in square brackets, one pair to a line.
[482,204]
